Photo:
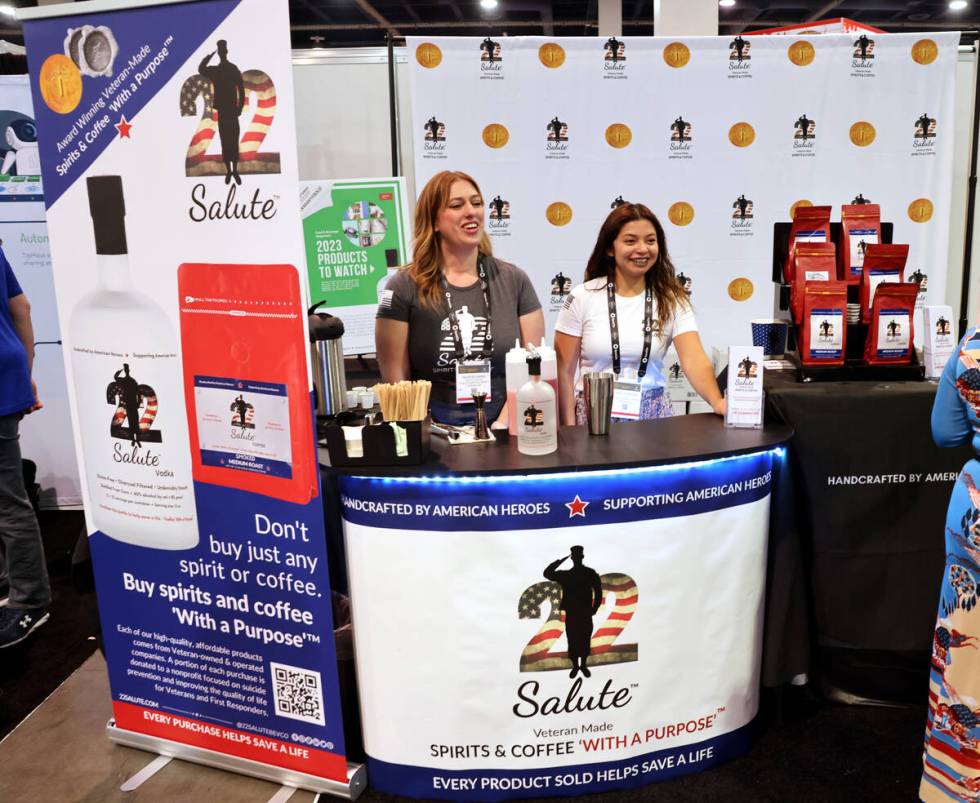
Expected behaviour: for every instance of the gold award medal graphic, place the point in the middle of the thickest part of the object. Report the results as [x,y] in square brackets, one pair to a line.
[741,135]
[618,135]
[677,55]
[680,213]
[797,205]
[740,289]
[862,134]
[495,135]
[428,55]
[925,51]
[559,213]
[801,53]
[920,210]
[551,55]
[61,84]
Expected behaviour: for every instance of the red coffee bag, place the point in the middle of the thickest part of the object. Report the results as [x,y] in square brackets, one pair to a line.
[244,345]
[811,224]
[812,262]
[860,227]
[823,330]
[882,263]
[890,333]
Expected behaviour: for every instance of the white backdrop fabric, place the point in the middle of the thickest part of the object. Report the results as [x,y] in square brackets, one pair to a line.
[497,118]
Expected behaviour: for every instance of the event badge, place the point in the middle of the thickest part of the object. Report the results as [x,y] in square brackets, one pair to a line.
[627,393]
[472,376]
[745,396]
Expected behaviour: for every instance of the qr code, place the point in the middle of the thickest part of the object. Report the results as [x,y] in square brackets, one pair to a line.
[297,693]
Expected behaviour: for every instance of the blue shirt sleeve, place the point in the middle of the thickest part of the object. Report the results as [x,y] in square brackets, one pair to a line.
[13,286]
[951,424]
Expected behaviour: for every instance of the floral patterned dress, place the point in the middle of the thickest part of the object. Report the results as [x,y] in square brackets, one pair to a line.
[951,759]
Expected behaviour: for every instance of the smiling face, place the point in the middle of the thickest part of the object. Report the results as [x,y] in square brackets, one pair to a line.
[460,221]
[635,249]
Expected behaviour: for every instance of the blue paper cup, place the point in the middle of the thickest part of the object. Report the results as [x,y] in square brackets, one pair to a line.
[770,333]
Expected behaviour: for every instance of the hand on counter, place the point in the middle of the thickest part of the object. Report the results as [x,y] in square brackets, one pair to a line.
[720,407]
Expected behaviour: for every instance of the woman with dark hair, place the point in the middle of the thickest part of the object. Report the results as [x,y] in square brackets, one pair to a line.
[453,313]
[623,319]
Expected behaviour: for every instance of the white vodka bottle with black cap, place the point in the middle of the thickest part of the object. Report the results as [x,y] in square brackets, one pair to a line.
[129,396]
[537,412]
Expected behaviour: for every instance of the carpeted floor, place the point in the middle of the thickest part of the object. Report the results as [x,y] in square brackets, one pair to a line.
[808,749]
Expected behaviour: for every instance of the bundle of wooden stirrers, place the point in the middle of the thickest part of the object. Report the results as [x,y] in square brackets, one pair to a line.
[404,401]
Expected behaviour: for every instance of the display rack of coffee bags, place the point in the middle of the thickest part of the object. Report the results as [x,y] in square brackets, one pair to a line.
[826,275]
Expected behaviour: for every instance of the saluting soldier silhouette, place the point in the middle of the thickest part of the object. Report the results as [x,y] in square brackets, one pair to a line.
[680,126]
[555,127]
[613,45]
[863,43]
[497,205]
[742,203]
[432,126]
[229,100]
[922,126]
[617,202]
[803,123]
[490,48]
[739,44]
[746,366]
[130,397]
[826,329]
[241,408]
[581,598]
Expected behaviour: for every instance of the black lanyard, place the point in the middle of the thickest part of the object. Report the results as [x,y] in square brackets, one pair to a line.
[487,350]
[614,328]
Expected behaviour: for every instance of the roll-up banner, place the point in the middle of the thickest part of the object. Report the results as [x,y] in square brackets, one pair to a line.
[167,142]
[569,633]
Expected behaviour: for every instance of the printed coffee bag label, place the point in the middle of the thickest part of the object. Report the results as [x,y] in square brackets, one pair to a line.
[893,332]
[826,334]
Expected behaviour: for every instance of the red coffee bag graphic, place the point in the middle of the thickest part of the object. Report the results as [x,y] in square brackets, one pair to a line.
[823,330]
[812,262]
[811,224]
[860,228]
[882,263]
[890,333]
[246,385]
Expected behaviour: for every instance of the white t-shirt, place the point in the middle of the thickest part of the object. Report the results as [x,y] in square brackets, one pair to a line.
[585,314]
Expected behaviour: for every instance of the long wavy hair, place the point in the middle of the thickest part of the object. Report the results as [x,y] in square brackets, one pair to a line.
[667,290]
[426,266]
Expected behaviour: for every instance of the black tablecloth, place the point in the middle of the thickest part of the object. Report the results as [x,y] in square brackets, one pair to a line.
[871,495]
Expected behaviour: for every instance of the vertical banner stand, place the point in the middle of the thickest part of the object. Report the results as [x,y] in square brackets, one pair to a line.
[167,140]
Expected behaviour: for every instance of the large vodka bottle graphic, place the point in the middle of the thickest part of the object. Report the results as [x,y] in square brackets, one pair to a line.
[129,395]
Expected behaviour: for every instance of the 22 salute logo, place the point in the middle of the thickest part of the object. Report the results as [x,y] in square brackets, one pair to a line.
[739,58]
[614,59]
[225,91]
[574,596]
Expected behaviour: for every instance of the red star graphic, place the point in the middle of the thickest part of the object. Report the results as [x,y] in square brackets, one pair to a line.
[576,507]
[123,128]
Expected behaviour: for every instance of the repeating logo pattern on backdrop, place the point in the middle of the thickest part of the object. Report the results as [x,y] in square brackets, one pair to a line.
[556,143]
[739,58]
[742,217]
[924,136]
[804,136]
[434,142]
[863,57]
[681,139]
[614,59]
[558,289]
[498,218]
[491,60]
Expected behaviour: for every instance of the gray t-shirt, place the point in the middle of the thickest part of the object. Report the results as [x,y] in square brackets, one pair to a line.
[431,350]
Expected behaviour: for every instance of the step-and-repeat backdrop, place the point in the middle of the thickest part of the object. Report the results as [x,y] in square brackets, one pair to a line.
[719,136]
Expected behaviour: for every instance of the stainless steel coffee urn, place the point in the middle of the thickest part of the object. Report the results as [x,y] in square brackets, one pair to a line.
[327,357]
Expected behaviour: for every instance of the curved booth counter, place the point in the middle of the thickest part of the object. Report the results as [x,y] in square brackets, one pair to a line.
[576,622]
